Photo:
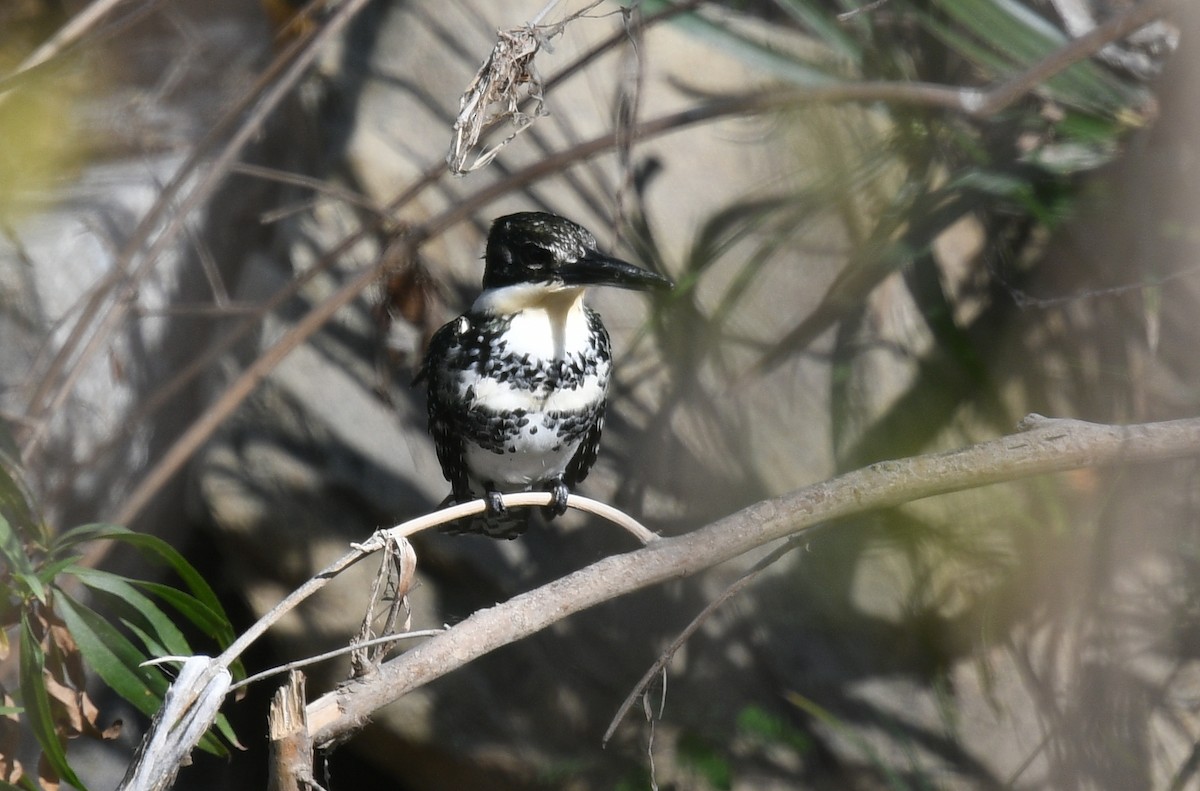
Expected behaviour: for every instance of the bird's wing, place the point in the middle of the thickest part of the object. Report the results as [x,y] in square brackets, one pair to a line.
[444,406]
[585,456]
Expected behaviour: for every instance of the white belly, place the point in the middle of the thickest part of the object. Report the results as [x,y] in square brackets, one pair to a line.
[527,460]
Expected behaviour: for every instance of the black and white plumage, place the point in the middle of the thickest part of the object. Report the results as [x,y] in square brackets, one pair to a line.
[518,384]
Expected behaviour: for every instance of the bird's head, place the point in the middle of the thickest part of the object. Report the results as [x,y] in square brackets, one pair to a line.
[537,248]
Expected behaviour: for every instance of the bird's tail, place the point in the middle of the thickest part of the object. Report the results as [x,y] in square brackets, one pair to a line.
[507,524]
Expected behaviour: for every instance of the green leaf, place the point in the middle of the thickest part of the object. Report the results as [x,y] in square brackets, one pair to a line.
[1022,37]
[14,502]
[119,663]
[1089,128]
[771,729]
[728,39]
[116,660]
[212,745]
[24,575]
[37,705]
[49,571]
[813,17]
[704,758]
[150,544]
[6,711]
[10,454]
[81,535]
[226,730]
[966,46]
[1001,185]
[830,720]
[211,623]
[141,613]
[150,643]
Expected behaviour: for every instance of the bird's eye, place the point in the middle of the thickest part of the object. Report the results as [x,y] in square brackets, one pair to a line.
[536,257]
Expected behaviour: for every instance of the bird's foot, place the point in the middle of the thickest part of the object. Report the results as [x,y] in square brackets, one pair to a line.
[558,503]
[495,502]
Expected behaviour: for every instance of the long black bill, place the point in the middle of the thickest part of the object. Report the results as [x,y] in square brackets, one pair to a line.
[597,269]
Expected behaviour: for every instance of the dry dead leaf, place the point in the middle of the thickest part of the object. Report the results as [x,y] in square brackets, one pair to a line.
[10,742]
[505,80]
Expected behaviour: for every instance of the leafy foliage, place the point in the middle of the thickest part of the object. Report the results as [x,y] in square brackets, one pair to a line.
[918,170]
[61,638]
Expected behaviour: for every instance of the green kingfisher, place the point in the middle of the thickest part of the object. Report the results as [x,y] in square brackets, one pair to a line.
[518,383]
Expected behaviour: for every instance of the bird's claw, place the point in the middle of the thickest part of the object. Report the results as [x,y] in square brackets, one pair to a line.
[558,498]
[495,502]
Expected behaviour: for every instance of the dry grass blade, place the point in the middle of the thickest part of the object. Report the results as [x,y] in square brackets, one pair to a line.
[397,572]
[659,667]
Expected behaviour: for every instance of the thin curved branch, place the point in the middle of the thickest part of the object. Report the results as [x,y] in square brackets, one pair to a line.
[1096,39]
[405,529]
[1043,446]
[193,700]
[317,658]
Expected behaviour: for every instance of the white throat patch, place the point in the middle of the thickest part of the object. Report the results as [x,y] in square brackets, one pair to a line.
[548,322]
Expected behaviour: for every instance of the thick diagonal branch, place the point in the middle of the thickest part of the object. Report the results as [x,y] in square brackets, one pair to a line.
[1043,446]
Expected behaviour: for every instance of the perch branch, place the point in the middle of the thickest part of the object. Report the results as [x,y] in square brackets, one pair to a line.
[1043,446]
[192,702]
[379,540]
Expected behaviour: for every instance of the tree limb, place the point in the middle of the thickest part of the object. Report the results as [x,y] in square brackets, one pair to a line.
[1042,446]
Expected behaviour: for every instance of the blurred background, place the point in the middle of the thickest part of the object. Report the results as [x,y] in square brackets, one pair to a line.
[187,185]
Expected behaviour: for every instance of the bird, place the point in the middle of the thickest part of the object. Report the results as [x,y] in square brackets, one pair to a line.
[517,385]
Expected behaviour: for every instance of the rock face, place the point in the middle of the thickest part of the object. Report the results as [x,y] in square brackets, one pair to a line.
[1037,635]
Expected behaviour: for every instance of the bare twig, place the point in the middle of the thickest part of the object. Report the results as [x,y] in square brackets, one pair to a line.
[72,31]
[660,666]
[68,36]
[322,186]
[651,719]
[1115,29]
[1043,446]
[846,16]
[384,639]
